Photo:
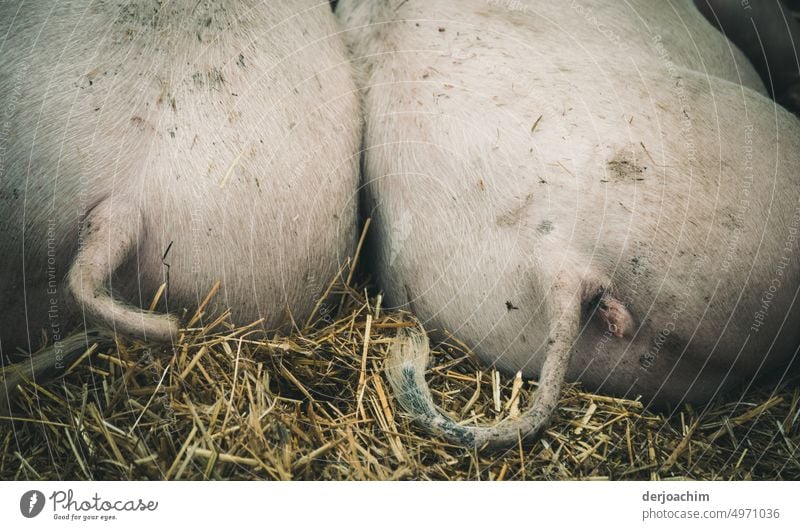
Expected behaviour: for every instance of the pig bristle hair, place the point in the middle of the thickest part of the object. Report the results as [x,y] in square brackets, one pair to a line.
[106,246]
[405,369]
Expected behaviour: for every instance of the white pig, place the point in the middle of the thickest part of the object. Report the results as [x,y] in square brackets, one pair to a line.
[180,143]
[597,191]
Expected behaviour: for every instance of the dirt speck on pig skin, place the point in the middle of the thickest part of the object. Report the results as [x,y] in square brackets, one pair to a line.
[625,167]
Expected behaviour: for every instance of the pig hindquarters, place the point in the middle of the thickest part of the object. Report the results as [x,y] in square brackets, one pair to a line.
[591,190]
[177,143]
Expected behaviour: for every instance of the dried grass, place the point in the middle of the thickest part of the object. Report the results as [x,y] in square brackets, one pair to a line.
[227,403]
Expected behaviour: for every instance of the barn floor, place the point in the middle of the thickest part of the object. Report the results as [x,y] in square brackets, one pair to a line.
[226,404]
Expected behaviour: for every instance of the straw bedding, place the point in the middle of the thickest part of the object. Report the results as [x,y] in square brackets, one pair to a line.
[238,403]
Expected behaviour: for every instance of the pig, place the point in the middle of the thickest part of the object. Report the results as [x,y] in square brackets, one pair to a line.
[589,191]
[176,144]
[768,34]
